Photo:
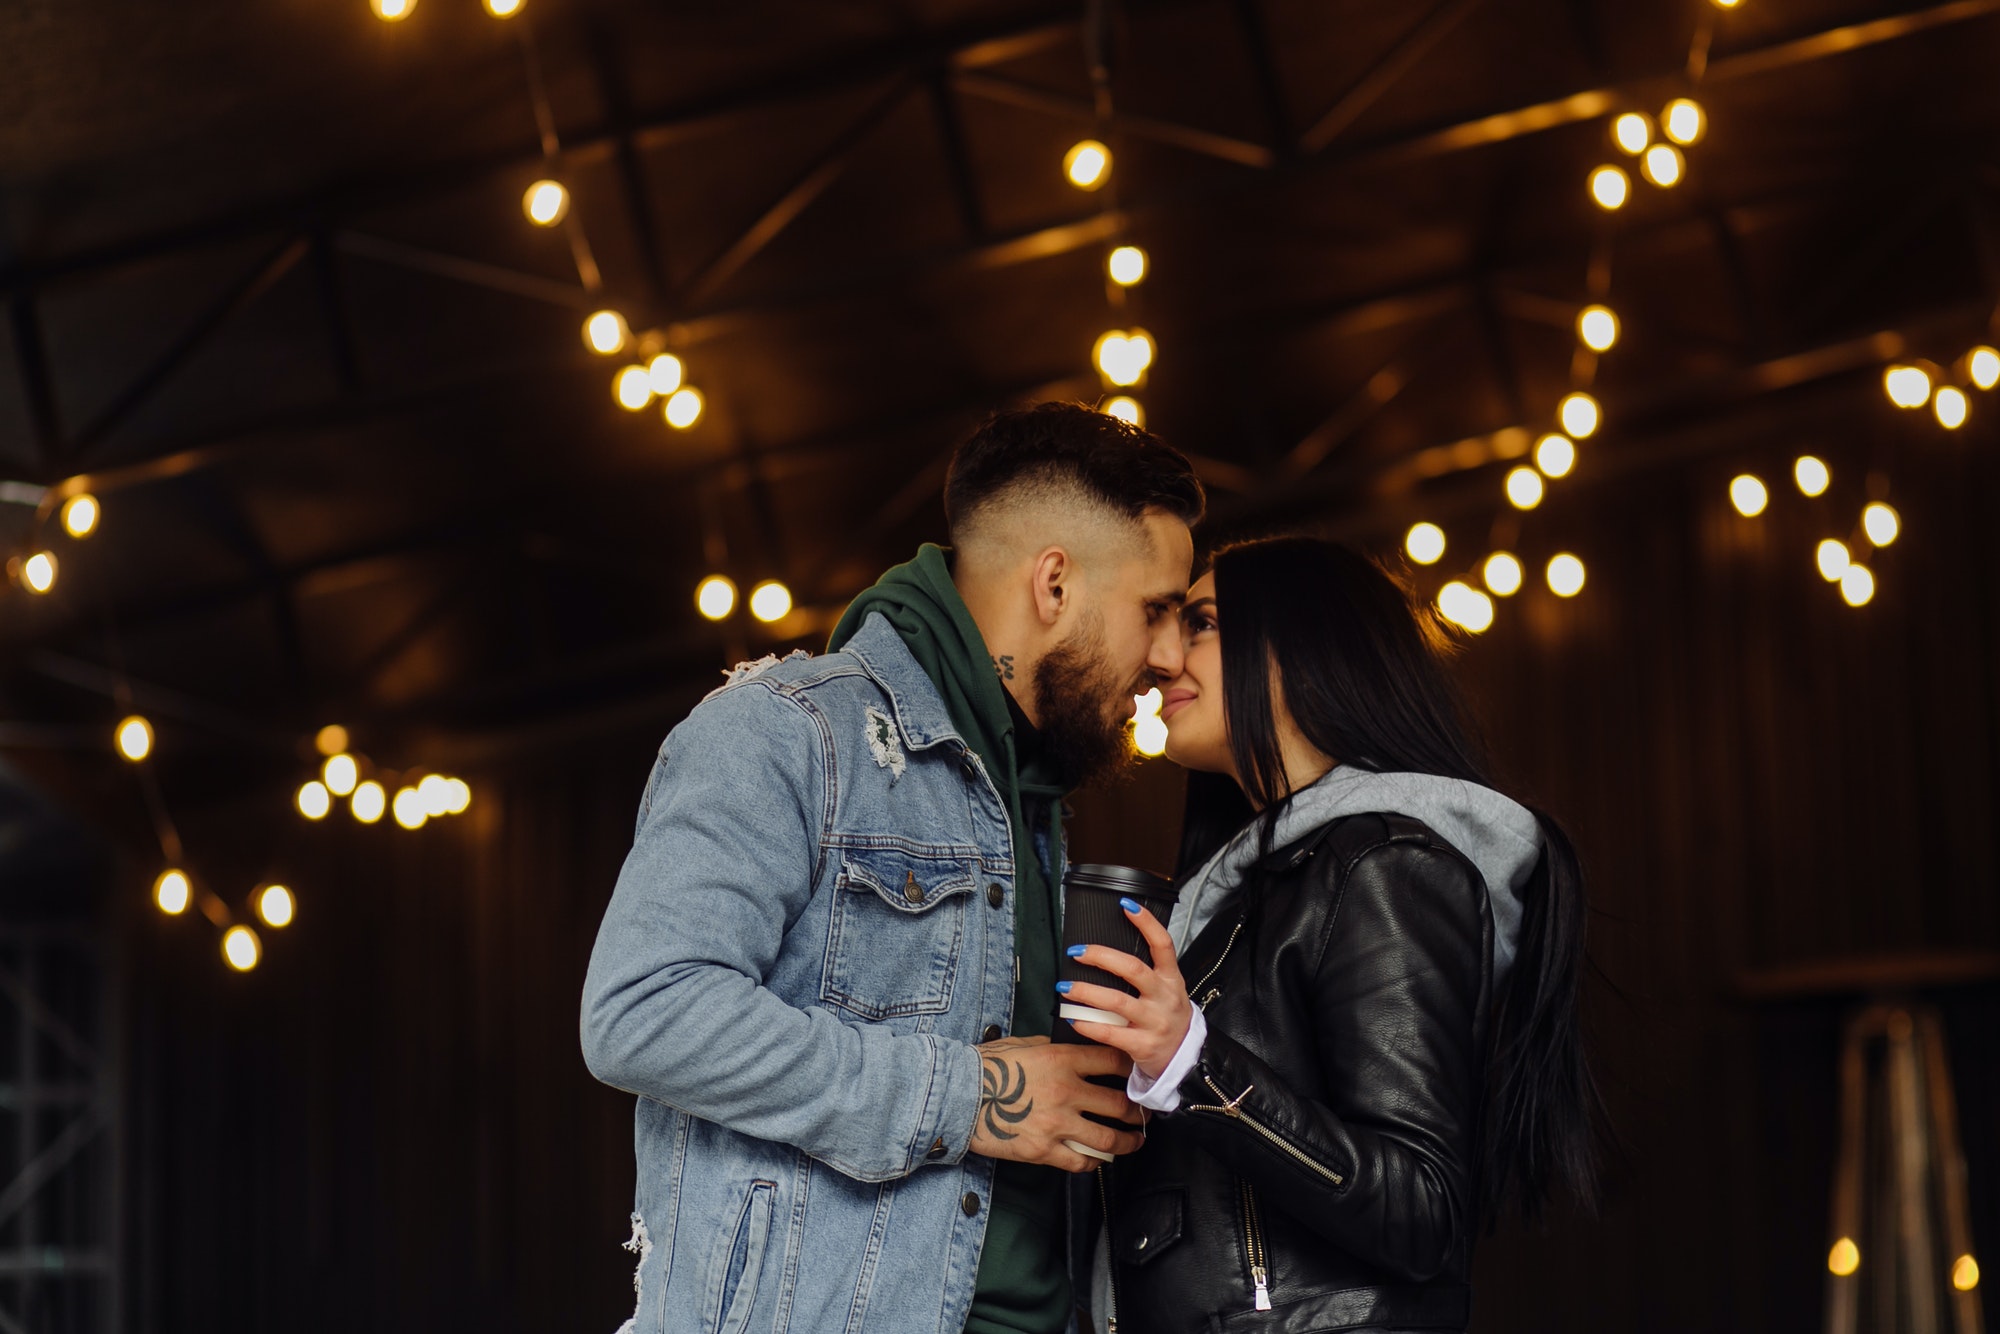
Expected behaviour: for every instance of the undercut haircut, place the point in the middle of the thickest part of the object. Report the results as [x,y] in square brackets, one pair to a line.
[1067,451]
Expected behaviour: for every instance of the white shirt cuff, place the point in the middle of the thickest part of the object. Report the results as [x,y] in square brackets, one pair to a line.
[1164,1094]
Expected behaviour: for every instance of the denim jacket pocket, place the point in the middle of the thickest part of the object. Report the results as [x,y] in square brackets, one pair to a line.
[733,1289]
[897,932]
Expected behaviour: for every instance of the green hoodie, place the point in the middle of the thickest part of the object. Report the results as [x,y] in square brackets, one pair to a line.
[1023,1285]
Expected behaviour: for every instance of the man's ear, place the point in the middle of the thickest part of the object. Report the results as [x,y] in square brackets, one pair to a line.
[1051,597]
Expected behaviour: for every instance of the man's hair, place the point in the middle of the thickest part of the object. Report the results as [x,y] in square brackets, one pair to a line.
[1068,451]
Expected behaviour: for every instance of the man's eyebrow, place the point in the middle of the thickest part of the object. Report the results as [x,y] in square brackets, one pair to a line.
[1167,599]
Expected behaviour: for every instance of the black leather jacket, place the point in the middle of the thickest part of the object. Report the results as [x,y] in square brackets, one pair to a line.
[1322,1161]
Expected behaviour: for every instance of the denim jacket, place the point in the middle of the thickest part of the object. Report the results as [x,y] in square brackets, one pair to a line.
[814,925]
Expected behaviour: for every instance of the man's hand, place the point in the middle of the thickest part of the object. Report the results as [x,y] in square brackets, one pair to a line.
[1033,1095]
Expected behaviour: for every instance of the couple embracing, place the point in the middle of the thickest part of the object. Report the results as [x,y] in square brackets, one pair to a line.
[829,967]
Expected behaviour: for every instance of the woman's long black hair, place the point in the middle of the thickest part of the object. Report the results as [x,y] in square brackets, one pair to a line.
[1361,669]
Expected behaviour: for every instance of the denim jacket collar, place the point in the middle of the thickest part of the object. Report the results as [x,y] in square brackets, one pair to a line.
[913,698]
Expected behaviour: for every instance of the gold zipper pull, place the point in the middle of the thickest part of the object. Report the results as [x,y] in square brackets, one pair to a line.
[1229,1108]
[1258,1277]
[1213,992]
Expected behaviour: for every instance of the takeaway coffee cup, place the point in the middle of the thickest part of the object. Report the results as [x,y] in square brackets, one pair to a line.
[1092,916]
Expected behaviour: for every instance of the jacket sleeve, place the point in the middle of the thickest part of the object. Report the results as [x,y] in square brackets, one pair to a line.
[675,1004]
[1382,1167]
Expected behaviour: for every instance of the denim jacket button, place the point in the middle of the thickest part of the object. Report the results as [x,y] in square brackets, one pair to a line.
[937,1149]
[970,1203]
[995,895]
[992,1033]
[911,890]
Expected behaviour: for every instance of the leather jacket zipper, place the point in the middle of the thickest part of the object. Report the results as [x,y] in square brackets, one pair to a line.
[1110,1260]
[1231,1107]
[1226,947]
[1253,1233]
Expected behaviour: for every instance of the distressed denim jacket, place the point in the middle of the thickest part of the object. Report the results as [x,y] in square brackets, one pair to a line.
[814,925]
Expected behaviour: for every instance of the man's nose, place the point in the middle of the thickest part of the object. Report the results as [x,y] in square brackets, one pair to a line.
[1168,658]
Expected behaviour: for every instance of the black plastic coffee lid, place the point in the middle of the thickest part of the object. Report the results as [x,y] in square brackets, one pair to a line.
[1122,880]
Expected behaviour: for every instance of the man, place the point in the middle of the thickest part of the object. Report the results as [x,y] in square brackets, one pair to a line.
[828,967]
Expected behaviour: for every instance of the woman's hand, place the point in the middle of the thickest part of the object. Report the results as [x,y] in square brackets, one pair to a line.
[1158,1016]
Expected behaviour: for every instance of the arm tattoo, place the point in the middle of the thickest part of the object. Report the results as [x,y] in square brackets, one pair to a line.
[1003,666]
[1003,1096]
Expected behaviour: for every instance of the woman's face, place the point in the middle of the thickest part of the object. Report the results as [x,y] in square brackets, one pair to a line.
[1191,703]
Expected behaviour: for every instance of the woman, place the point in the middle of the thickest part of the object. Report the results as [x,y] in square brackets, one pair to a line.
[1363,1027]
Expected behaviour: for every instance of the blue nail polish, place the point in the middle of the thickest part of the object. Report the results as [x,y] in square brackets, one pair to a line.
[1130,906]
[1076,951]
[1064,987]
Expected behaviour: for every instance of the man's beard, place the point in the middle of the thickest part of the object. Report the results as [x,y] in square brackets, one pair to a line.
[1074,691]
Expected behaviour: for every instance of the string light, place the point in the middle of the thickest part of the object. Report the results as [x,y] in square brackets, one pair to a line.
[392,11]
[1122,358]
[1833,559]
[241,948]
[1126,410]
[1555,455]
[1597,327]
[408,808]
[340,773]
[503,9]
[605,332]
[1565,575]
[1632,132]
[664,374]
[1087,164]
[1424,543]
[1982,367]
[1844,1258]
[1502,574]
[770,601]
[1663,165]
[135,738]
[38,572]
[331,739]
[1579,415]
[1951,406]
[1727,4]
[1524,488]
[546,203]
[276,905]
[633,388]
[172,892]
[1811,475]
[458,796]
[368,802]
[1465,606]
[1965,1273]
[1749,496]
[1149,733]
[715,596]
[79,515]
[314,800]
[1881,524]
[1610,187]
[1907,386]
[683,407]
[1683,121]
[435,792]
[1857,585]
[1127,265]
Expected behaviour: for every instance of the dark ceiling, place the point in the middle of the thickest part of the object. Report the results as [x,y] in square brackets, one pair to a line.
[272,298]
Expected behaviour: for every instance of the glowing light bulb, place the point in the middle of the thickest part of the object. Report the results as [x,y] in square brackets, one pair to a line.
[1951,406]
[1749,496]
[503,9]
[1982,367]
[1857,585]
[1683,121]
[1465,606]
[276,905]
[1965,1273]
[1811,475]
[1632,132]
[664,374]
[1597,326]
[435,793]
[546,203]
[368,802]
[240,945]
[1610,187]
[79,515]
[392,11]
[314,800]
[173,892]
[135,738]
[1579,415]
[459,799]
[1555,455]
[331,739]
[1663,165]
[1127,265]
[1844,1258]
[38,572]
[683,407]
[1149,733]
[770,601]
[1122,358]
[1908,386]
[1832,559]
[633,388]
[1126,410]
[1727,4]
[1881,524]
[1502,574]
[1524,488]
[1087,164]
[605,332]
[408,808]
[1565,575]
[340,773]
[1424,543]
[715,596]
